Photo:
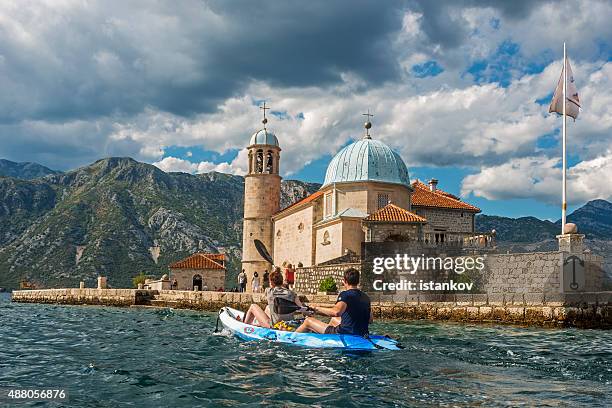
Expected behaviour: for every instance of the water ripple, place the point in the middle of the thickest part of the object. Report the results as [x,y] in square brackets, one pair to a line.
[164,357]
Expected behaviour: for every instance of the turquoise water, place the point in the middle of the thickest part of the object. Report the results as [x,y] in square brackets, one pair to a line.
[170,358]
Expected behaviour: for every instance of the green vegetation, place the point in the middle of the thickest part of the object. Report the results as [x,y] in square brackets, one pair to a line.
[328,285]
[138,279]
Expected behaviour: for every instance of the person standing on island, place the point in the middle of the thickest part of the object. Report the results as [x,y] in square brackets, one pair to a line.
[266,280]
[242,281]
[289,276]
[255,282]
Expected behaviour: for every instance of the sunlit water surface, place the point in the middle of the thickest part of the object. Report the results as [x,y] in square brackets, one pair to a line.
[171,358]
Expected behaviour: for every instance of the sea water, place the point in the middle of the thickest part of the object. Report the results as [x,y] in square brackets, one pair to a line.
[139,357]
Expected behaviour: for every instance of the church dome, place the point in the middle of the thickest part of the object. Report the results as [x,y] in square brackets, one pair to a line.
[367,160]
[264,137]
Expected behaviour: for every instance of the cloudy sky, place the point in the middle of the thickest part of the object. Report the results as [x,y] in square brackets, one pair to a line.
[460,89]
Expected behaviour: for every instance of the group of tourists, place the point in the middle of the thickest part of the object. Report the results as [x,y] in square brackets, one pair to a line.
[351,314]
[260,284]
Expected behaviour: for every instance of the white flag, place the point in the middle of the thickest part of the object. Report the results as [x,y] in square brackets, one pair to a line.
[572,107]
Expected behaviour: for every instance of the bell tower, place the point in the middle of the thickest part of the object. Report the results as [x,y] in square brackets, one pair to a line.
[262,189]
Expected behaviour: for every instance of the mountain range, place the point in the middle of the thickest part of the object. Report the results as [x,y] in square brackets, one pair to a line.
[25,170]
[118,217]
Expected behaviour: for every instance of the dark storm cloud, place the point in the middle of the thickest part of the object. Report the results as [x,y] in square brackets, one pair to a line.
[73,72]
[185,57]
[443,24]
[95,59]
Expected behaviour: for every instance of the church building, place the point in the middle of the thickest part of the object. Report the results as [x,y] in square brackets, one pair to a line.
[366,196]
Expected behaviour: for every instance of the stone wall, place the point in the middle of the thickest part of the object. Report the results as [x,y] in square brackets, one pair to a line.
[535,272]
[307,279]
[209,301]
[106,297]
[261,201]
[293,240]
[586,310]
[380,232]
[211,278]
[364,195]
[446,220]
[332,248]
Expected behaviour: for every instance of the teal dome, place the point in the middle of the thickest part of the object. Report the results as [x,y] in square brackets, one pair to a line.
[264,137]
[367,160]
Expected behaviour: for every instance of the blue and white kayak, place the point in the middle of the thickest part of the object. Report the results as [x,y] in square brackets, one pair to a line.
[228,317]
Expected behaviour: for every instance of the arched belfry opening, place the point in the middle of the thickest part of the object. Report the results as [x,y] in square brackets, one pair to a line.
[259,159]
[270,162]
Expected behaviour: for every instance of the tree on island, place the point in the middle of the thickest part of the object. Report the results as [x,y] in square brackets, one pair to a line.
[138,279]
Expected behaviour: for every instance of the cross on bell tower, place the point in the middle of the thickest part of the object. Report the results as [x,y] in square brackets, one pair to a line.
[368,124]
[264,108]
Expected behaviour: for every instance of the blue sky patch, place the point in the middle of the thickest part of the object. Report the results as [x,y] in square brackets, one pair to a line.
[196,154]
[427,69]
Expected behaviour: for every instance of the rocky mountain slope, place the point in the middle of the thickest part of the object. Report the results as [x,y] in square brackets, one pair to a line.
[593,219]
[26,171]
[117,218]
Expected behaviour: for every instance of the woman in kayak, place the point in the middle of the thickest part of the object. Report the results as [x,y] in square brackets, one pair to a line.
[270,316]
[352,313]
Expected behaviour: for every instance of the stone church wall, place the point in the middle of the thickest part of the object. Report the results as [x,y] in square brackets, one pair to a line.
[352,236]
[332,247]
[381,231]
[448,220]
[293,238]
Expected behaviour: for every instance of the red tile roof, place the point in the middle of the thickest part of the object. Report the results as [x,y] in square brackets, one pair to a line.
[215,257]
[424,197]
[393,213]
[200,261]
[304,200]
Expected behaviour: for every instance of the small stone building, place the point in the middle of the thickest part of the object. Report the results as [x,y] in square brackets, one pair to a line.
[393,223]
[200,271]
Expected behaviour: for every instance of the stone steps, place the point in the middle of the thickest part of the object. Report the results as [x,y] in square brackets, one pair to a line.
[163,302]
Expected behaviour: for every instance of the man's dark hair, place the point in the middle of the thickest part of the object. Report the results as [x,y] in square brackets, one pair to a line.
[351,276]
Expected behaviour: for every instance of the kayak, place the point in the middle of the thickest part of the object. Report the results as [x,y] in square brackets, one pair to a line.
[232,321]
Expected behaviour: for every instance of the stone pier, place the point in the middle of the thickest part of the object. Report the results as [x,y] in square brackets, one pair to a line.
[583,310]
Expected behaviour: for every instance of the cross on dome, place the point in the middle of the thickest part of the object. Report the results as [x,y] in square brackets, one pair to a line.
[368,124]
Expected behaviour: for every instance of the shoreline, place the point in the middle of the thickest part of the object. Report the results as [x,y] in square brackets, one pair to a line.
[591,310]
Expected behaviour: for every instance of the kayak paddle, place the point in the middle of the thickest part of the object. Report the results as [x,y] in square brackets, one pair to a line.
[263,251]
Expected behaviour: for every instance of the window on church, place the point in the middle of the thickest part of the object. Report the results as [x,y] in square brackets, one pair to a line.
[301,227]
[328,205]
[278,234]
[383,200]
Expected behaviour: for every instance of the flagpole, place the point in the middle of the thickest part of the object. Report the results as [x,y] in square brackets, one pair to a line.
[564,193]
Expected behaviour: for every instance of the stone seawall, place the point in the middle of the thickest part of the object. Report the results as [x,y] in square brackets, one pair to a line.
[105,297]
[584,310]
